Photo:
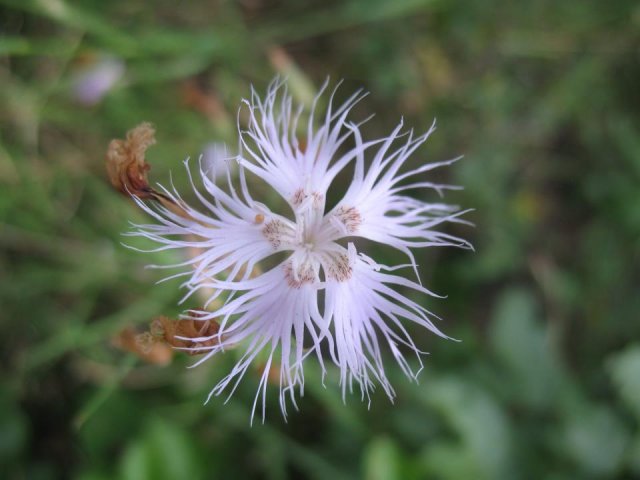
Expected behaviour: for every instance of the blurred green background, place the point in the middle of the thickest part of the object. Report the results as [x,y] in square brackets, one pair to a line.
[541,97]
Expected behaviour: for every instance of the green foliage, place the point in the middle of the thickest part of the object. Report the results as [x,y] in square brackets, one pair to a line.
[541,98]
[624,367]
[523,348]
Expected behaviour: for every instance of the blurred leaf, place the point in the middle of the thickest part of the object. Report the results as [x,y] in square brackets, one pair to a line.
[345,15]
[164,452]
[382,460]
[595,439]
[17,46]
[480,424]
[76,17]
[449,461]
[93,476]
[102,433]
[522,345]
[102,395]
[634,455]
[300,85]
[13,429]
[624,368]
[137,463]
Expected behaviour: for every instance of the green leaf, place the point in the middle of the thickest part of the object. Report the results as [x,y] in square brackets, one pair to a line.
[13,428]
[382,460]
[595,439]
[483,430]
[521,343]
[164,452]
[624,368]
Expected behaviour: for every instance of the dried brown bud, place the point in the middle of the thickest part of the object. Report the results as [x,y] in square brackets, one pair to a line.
[126,165]
[168,329]
[144,346]
[127,168]
[145,342]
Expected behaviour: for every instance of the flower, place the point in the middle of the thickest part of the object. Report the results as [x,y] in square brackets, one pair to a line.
[326,298]
[95,80]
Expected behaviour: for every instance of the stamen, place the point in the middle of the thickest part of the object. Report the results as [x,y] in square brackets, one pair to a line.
[274,231]
[350,217]
[298,197]
[301,197]
[340,268]
[318,199]
[304,274]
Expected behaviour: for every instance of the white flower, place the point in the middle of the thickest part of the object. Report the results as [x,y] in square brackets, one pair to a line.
[326,297]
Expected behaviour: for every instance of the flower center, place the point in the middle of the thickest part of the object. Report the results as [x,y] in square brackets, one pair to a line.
[312,239]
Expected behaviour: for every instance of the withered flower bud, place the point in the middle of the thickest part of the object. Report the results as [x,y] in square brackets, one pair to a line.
[168,330]
[126,165]
[144,346]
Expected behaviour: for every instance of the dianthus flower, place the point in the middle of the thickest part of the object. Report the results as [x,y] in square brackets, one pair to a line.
[326,298]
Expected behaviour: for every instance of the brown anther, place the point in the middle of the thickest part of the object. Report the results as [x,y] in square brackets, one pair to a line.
[350,217]
[273,232]
[298,197]
[340,269]
[259,218]
[304,275]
